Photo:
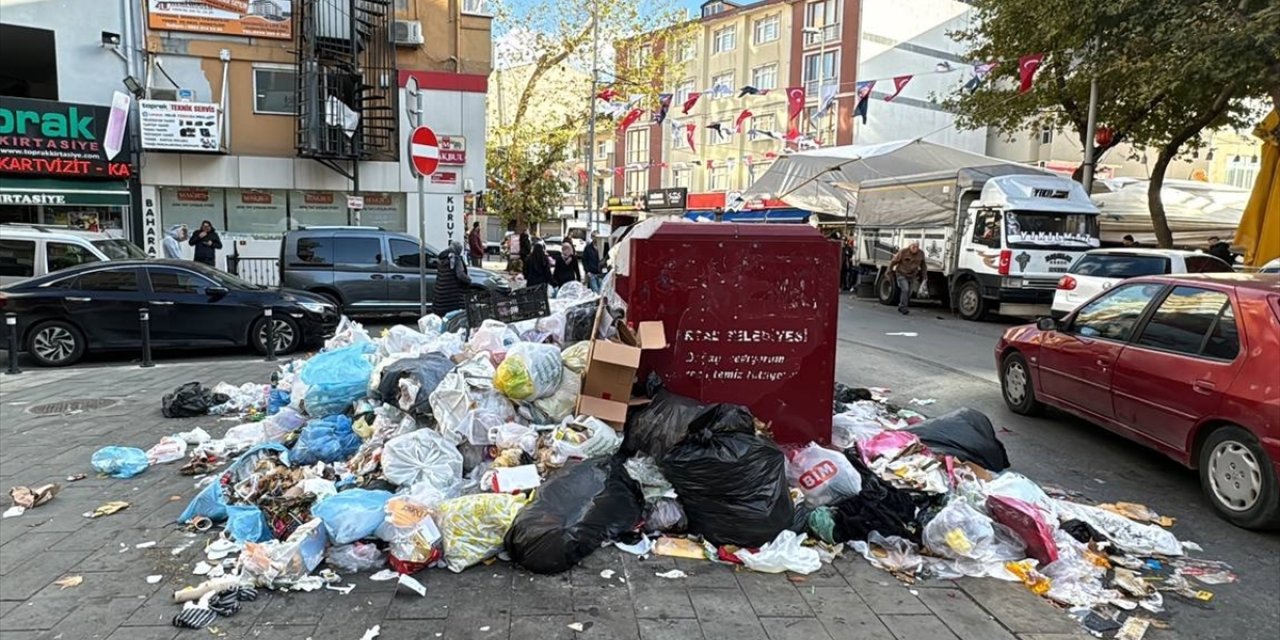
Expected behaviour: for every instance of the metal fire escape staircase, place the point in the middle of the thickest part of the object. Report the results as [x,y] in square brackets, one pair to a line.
[346,87]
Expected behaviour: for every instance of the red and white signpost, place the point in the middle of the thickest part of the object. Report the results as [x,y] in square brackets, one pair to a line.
[424,158]
[424,152]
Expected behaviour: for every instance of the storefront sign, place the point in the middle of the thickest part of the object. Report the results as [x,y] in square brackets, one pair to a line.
[444,177]
[453,150]
[249,18]
[666,199]
[355,203]
[180,126]
[259,212]
[150,222]
[46,138]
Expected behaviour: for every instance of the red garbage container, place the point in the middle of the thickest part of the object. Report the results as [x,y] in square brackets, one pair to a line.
[750,313]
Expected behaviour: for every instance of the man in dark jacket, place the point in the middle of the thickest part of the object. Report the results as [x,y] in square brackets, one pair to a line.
[452,281]
[207,243]
[591,262]
[475,245]
[1217,248]
[908,267]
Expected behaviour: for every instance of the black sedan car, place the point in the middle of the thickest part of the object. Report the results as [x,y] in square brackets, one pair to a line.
[96,307]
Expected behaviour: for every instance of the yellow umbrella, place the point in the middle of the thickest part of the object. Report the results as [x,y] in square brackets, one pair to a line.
[1259,231]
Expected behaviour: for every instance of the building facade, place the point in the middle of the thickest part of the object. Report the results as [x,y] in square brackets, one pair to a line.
[266,115]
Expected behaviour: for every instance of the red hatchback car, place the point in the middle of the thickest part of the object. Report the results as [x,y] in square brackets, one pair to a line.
[1188,365]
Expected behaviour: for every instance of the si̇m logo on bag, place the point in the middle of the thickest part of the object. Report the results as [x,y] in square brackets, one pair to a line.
[818,475]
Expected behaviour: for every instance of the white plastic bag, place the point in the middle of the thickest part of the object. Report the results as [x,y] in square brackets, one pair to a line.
[403,340]
[560,404]
[553,325]
[511,435]
[575,356]
[1134,537]
[423,456]
[493,337]
[452,399]
[349,332]
[475,428]
[241,437]
[891,553]
[431,324]
[581,438]
[530,371]
[851,429]
[784,553]
[355,557]
[1016,485]
[169,449]
[823,475]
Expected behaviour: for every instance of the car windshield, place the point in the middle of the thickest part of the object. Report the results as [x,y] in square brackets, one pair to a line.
[1120,266]
[120,249]
[1041,230]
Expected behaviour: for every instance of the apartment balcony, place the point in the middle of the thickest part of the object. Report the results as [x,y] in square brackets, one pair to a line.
[815,36]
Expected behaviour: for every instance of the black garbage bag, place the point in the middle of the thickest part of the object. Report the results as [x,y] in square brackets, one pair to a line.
[572,514]
[731,482]
[966,434]
[190,400]
[878,507]
[578,321]
[845,394]
[428,369]
[660,425]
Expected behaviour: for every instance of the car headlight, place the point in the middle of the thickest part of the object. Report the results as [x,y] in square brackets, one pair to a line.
[315,307]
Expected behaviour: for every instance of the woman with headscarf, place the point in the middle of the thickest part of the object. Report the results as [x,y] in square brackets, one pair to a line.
[452,280]
[537,268]
[568,268]
[207,243]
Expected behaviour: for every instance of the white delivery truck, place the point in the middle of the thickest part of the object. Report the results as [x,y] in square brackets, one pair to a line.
[996,239]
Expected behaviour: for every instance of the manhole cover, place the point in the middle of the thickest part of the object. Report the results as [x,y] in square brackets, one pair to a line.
[71,406]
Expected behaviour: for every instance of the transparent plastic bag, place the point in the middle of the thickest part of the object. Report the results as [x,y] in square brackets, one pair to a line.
[119,462]
[1016,485]
[581,438]
[850,430]
[473,526]
[476,427]
[493,337]
[823,475]
[1134,537]
[244,436]
[282,423]
[553,325]
[349,332]
[960,531]
[575,356]
[275,564]
[453,398]
[529,372]
[352,514]
[784,553]
[645,471]
[890,553]
[431,324]
[355,557]
[404,340]
[511,435]
[169,449]
[423,456]
[560,404]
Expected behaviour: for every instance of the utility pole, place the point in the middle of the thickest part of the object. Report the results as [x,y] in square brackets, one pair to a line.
[591,116]
[1091,128]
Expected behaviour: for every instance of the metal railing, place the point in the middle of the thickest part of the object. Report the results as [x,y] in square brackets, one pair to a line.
[263,271]
[828,33]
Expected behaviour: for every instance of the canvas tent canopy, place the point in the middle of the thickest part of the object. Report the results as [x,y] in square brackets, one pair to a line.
[826,180]
[1194,210]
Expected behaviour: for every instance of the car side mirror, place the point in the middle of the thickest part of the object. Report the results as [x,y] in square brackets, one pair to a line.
[1047,324]
[215,292]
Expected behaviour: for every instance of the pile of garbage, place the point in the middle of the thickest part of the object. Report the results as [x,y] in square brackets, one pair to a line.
[423,448]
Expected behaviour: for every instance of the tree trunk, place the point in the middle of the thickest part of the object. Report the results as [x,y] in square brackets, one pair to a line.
[1155,200]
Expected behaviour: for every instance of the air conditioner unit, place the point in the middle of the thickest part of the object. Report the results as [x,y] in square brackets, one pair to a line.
[408,33]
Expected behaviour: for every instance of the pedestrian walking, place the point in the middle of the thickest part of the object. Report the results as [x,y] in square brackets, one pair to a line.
[591,262]
[475,245]
[526,244]
[568,268]
[452,280]
[537,268]
[173,239]
[1221,250]
[207,244]
[847,279]
[908,267]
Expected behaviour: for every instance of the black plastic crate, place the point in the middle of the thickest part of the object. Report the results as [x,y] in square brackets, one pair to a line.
[522,304]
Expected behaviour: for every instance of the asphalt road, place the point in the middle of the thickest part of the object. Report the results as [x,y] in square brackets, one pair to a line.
[950,360]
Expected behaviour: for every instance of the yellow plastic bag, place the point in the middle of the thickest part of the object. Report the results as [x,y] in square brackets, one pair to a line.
[513,380]
[575,356]
[473,526]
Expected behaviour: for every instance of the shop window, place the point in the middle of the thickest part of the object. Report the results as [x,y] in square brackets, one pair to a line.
[260,212]
[28,63]
[17,258]
[109,280]
[60,255]
[274,91]
[166,281]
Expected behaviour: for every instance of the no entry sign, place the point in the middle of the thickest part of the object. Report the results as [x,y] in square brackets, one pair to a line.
[424,151]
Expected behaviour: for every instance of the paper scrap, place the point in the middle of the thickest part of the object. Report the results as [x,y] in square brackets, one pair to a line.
[343,590]
[924,402]
[642,548]
[154,579]
[107,509]
[77,477]
[13,511]
[484,628]
[412,584]
[145,545]
[384,575]
[607,574]
[580,626]
[69,581]
[371,633]
[673,574]
[31,497]
[905,334]
[1133,629]
[679,548]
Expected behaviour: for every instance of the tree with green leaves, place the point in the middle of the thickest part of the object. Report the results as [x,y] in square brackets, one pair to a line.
[551,46]
[1166,71]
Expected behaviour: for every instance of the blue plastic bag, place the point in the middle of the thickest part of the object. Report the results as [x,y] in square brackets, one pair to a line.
[335,379]
[325,440]
[211,503]
[247,524]
[277,400]
[120,462]
[352,514]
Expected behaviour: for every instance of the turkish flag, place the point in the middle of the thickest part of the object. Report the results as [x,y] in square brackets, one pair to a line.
[1027,67]
[688,135]
[742,118]
[899,83]
[630,119]
[795,102]
[608,94]
[689,102]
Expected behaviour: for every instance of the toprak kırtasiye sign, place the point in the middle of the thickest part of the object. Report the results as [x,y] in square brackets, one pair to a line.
[66,140]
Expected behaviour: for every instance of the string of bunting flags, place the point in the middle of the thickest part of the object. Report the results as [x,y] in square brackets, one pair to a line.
[630,112]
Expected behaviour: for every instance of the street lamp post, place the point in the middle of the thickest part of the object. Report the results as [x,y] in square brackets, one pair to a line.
[591,115]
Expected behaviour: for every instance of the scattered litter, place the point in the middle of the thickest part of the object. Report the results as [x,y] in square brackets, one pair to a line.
[202,568]
[413,585]
[904,334]
[154,579]
[372,632]
[1133,629]
[13,511]
[580,626]
[69,581]
[384,575]
[924,402]
[673,574]
[220,548]
[32,497]
[679,548]
[145,545]
[642,547]
[484,628]
[107,509]
[607,574]
[343,590]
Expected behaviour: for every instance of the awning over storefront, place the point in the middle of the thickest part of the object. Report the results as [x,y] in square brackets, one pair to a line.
[56,192]
[787,215]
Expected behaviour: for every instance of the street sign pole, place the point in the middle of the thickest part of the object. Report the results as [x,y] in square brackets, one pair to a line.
[415,113]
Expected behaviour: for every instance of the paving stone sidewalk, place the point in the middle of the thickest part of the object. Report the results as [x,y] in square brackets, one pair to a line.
[848,599]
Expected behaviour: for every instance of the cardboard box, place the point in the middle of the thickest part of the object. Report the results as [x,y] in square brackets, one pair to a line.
[611,372]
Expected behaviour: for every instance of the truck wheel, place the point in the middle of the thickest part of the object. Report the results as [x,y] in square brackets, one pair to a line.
[969,300]
[1239,479]
[887,289]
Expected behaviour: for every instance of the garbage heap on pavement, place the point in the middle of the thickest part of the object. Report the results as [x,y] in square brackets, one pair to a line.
[422,448]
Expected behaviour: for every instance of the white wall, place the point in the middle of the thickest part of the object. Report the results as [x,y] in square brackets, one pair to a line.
[87,73]
[901,37]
